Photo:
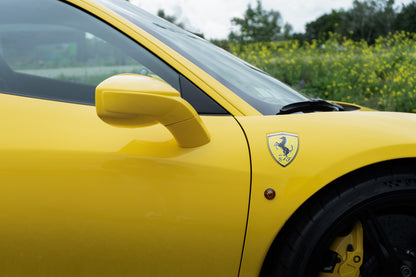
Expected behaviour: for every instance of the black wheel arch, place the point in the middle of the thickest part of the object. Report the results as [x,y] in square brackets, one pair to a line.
[384,168]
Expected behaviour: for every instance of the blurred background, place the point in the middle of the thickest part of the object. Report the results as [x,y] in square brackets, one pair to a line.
[361,51]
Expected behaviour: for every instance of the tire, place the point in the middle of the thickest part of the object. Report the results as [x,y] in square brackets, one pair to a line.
[375,216]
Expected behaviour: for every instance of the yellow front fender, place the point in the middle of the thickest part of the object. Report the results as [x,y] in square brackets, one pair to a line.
[327,150]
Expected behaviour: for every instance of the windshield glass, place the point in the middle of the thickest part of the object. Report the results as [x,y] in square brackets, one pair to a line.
[256,87]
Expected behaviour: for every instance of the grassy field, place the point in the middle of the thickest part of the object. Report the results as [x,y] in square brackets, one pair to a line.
[380,76]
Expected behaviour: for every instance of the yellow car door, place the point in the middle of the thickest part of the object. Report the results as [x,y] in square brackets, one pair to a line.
[80,197]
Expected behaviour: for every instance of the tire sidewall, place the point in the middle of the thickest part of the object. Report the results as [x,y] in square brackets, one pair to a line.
[333,207]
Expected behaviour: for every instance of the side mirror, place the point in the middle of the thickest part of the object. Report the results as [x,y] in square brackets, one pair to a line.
[130,100]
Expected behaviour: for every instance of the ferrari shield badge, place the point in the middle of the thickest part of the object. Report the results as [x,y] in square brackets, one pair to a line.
[283,147]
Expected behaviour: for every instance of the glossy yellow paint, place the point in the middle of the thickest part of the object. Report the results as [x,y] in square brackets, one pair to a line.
[327,150]
[83,198]
[350,250]
[225,97]
[361,108]
[131,100]
[89,199]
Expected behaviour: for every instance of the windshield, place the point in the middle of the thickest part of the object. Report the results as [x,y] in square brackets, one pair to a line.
[256,87]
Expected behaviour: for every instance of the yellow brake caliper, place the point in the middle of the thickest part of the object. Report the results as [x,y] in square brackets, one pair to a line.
[350,251]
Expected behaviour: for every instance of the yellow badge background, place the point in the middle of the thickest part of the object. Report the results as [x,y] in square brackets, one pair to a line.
[283,147]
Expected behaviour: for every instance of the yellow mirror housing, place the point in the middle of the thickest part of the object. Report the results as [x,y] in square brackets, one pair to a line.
[131,100]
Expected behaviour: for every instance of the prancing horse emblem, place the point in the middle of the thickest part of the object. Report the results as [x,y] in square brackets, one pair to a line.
[283,147]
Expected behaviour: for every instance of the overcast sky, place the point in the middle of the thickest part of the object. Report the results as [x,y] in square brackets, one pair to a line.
[212,17]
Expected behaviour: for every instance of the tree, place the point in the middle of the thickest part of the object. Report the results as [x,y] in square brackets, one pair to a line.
[335,22]
[367,19]
[406,18]
[170,18]
[287,31]
[257,25]
[173,19]
[370,19]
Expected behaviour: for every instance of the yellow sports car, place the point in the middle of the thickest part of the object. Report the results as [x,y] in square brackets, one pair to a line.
[130,147]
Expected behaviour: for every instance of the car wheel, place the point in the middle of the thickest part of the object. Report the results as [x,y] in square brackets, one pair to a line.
[366,229]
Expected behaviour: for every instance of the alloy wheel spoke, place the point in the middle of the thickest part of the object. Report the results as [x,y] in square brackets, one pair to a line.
[380,243]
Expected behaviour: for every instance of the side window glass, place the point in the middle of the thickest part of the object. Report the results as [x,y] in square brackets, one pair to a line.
[51,50]
[198,99]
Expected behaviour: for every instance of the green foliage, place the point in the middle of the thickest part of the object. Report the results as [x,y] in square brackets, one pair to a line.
[335,22]
[287,31]
[370,19]
[406,18]
[222,43]
[367,19]
[379,76]
[257,25]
